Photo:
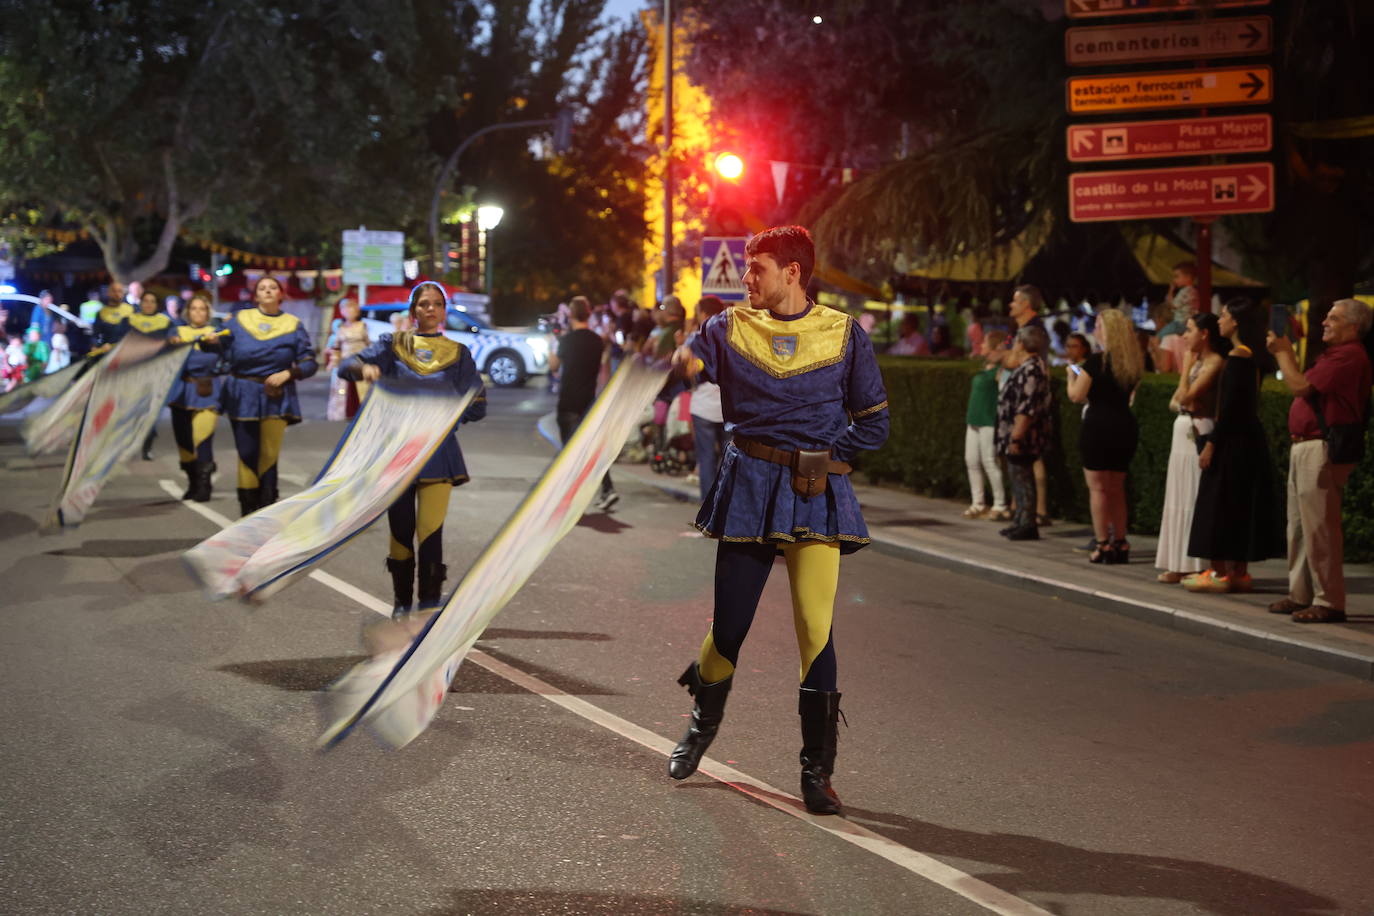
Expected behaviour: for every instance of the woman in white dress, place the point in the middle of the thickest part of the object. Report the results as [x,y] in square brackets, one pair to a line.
[1196,402]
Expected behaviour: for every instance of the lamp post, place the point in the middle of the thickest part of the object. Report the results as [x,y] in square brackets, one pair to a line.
[488,218]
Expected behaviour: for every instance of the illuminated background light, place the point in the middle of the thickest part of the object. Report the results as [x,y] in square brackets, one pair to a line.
[730,166]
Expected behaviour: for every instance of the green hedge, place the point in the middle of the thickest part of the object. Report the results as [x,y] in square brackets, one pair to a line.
[925,451]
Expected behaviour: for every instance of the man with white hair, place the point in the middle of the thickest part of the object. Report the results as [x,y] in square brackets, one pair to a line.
[1330,404]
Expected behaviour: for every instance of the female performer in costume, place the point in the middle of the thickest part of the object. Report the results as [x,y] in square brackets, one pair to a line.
[195,400]
[425,356]
[150,321]
[265,351]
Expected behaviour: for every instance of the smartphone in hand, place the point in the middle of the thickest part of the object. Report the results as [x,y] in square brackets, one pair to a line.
[1278,320]
[1076,370]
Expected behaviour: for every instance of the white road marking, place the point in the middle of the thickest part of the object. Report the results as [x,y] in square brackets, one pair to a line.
[992,899]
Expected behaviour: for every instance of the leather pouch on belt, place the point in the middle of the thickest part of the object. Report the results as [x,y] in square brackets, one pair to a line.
[205,387]
[809,472]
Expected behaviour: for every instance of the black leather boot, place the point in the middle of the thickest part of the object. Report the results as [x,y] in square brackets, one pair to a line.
[200,474]
[248,501]
[402,585]
[267,495]
[820,714]
[432,577]
[189,469]
[707,712]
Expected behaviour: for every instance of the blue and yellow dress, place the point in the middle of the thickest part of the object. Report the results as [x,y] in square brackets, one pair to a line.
[201,364]
[157,325]
[416,519]
[255,347]
[428,361]
[808,381]
[111,324]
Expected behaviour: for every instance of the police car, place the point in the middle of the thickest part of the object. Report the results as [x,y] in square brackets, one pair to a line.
[508,356]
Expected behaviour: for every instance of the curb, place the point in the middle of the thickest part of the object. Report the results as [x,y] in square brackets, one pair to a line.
[1293,648]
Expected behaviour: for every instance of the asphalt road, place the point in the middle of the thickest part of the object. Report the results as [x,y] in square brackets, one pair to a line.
[158,750]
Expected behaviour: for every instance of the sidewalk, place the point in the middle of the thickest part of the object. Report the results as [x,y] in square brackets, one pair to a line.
[933,531]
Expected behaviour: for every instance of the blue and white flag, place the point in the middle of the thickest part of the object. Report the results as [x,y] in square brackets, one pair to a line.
[398,691]
[379,456]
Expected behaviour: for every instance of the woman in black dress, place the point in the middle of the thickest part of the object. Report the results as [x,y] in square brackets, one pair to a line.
[1108,439]
[1238,519]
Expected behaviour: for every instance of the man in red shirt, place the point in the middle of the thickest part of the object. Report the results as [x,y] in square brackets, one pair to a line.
[1339,384]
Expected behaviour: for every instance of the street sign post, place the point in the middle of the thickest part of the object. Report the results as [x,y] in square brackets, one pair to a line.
[1148,42]
[1170,89]
[722,268]
[1085,9]
[1195,191]
[372,258]
[1122,140]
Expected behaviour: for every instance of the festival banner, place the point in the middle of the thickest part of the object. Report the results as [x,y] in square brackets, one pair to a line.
[49,386]
[399,690]
[56,426]
[120,411]
[380,454]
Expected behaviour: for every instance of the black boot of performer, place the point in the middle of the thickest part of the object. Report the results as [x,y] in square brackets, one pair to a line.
[267,495]
[402,584]
[820,714]
[148,444]
[432,577]
[248,501]
[200,474]
[707,712]
[189,469]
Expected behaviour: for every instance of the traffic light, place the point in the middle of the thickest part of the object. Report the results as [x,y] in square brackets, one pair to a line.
[728,166]
[224,269]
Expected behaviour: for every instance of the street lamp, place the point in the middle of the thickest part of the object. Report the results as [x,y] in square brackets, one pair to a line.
[488,217]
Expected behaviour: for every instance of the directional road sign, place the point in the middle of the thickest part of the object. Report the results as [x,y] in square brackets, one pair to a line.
[373,258]
[722,268]
[1170,89]
[1207,190]
[1120,140]
[1147,42]
[1083,9]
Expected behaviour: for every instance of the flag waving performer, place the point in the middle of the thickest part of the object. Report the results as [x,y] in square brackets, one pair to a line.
[150,321]
[195,400]
[112,321]
[265,351]
[801,390]
[427,358]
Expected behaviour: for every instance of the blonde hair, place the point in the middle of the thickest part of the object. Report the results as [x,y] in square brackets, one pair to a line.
[1122,349]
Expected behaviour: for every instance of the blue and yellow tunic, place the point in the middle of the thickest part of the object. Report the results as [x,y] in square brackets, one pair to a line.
[807,381]
[200,364]
[256,346]
[157,325]
[111,324]
[428,361]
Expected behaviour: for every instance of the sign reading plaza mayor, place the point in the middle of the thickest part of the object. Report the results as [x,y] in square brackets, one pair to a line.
[1147,42]
[1170,89]
[1120,140]
[1199,190]
[373,258]
[1080,9]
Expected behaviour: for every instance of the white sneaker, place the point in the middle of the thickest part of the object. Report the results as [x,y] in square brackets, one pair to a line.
[606,500]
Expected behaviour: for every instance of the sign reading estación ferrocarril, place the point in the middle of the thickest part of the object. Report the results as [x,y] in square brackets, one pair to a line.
[1170,89]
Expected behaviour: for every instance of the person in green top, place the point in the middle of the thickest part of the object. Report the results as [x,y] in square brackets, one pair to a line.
[980,455]
[36,351]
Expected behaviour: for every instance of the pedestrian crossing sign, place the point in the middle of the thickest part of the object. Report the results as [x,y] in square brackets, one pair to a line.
[722,268]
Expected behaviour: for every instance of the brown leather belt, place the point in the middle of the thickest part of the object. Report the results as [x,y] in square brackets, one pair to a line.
[260,379]
[785,457]
[1297,439]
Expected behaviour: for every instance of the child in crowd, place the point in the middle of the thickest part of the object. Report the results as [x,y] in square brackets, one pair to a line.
[980,455]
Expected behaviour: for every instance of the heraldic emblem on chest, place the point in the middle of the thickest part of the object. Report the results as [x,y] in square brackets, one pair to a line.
[784,346]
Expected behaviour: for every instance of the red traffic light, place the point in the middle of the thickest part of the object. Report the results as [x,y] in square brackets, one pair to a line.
[728,166]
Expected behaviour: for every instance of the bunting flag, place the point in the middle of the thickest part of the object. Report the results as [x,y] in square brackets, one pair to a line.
[379,455]
[49,386]
[779,178]
[399,690]
[129,392]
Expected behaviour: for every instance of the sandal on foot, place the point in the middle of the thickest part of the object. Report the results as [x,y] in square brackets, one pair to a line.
[1287,606]
[1169,577]
[1319,614]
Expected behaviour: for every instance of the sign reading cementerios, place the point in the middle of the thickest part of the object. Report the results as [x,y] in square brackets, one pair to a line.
[1146,42]
[1170,89]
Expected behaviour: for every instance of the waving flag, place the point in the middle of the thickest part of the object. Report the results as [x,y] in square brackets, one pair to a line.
[398,691]
[378,457]
[49,386]
[121,407]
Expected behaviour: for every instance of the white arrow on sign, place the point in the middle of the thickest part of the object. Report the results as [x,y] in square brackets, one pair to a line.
[1255,188]
[1082,139]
